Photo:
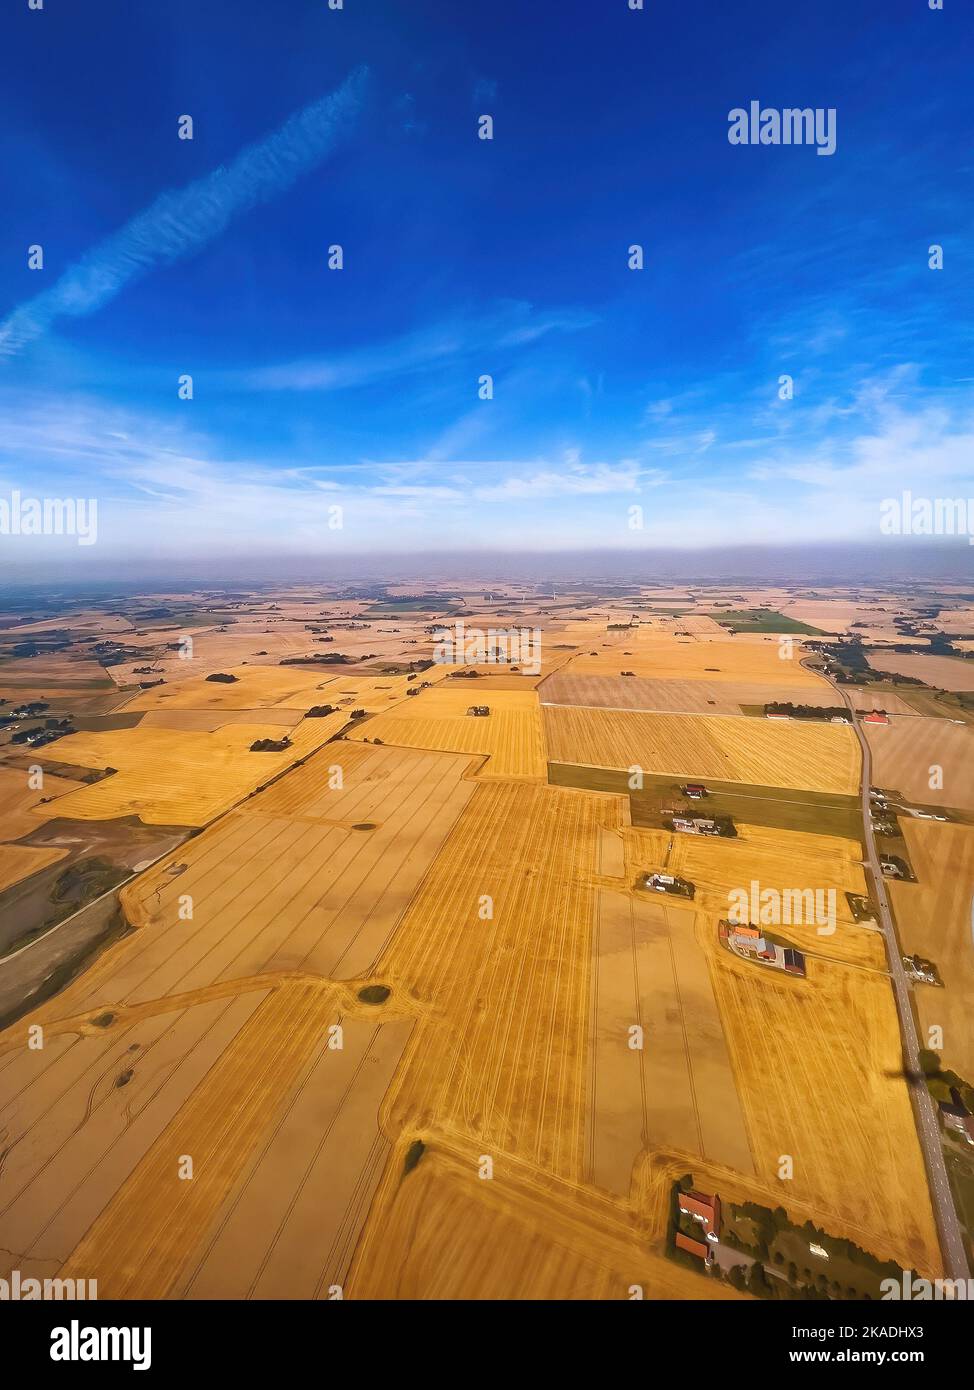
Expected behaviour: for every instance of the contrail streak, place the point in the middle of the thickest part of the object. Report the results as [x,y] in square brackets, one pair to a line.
[182,221]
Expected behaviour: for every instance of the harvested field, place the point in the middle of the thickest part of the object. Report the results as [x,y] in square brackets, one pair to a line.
[935,917]
[864,699]
[316,1173]
[45,674]
[511,735]
[905,750]
[255,687]
[20,861]
[670,696]
[207,721]
[20,805]
[218,1127]
[490,678]
[181,778]
[73,1134]
[785,861]
[944,672]
[657,656]
[678,1090]
[818,1064]
[502,1051]
[808,756]
[288,883]
[440,1233]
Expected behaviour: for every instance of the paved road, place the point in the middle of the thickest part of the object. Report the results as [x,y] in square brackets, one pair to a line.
[928,1127]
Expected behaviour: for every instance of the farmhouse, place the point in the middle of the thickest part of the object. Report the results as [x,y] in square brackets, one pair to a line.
[695,825]
[704,1209]
[747,942]
[876,716]
[692,1247]
[669,883]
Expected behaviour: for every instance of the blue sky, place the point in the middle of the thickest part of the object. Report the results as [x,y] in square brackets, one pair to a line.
[358,388]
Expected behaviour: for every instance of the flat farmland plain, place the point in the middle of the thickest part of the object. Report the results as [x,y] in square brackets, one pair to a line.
[80,1114]
[439,1232]
[511,735]
[208,720]
[306,879]
[657,656]
[945,672]
[669,696]
[20,861]
[21,809]
[254,687]
[781,860]
[905,752]
[810,757]
[278,1082]
[504,1044]
[316,1171]
[819,1066]
[180,777]
[677,1091]
[935,917]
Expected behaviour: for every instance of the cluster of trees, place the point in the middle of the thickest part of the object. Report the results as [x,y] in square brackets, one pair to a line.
[325,659]
[806,711]
[789,1281]
[941,1082]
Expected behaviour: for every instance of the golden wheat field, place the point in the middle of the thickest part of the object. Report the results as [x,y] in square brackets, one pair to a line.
[370,1031]
[281,1048]
[306,878]
[22,807]
[677,1091]
[506,1037]
[760,858]
[655,655]
[511,735]
[180,777]
[20,861]
[805,757]
[254,686]
[907,754]
[80,1114]
[668,696]
[818,1064]
[935,917]
[443,1233]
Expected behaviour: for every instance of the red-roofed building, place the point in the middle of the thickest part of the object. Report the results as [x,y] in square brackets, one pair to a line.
[692,1247]
[704,1209]
[876,716]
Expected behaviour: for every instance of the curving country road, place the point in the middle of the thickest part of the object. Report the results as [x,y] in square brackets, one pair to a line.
[949,1229]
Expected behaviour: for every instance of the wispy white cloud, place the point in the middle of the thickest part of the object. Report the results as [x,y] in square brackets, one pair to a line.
[184,220]
[574,480]
[511,325]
